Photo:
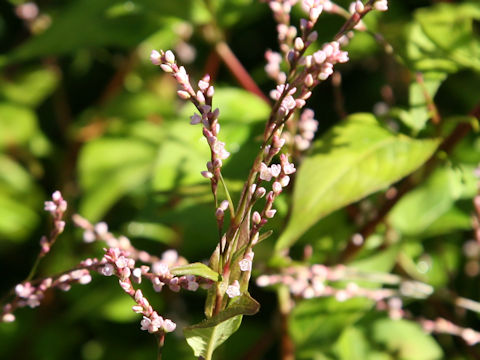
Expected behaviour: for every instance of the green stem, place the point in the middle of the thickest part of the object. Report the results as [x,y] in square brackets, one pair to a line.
[229,199]
[33,271]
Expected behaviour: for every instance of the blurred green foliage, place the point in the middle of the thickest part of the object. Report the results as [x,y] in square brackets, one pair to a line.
[83,110]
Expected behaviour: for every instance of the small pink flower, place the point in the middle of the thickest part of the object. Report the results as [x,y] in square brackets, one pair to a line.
[108,270]
[245,265]
[233,290]
[265,172]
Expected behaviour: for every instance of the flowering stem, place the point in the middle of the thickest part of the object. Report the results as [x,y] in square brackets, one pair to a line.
[354,20]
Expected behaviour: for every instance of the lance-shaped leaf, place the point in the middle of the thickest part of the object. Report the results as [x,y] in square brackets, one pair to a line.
[354,159]
[207,335]
[197,269]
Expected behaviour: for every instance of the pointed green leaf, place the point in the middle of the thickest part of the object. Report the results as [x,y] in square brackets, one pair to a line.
[197,269]
[206,336]
[354,159]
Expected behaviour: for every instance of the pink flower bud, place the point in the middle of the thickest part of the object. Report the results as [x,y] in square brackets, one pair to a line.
[312,37]
[299,45]
[359,6]
[200,97]
[224,205]
[169,325]
[182,94]
[270,213]
[260,192]
[169,57]
[57,196]
[207,174]
[101,228]
[285,180]
[256,218]
[166,68]
[263,280]
[309,80]
[277,188]
[219,214]
[8,318]
[203,85]
[155,57]
[381,5]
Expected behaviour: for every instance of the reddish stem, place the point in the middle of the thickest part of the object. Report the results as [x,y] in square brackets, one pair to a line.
[238,71]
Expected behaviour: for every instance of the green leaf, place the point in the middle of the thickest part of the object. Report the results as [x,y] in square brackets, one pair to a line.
[110,23]
[352,344]
[354,159]
[406,340]
[19,201]
[206,336]
[197,269]
[17,126]
[151,230]
[416,212]
[109,168]
[314,324]
[17,219]
[31,87]
[419,112]
[442,38]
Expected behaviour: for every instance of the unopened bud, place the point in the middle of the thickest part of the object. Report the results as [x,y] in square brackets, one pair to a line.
[299,45]
[256,218]
[169,57]
[183,94]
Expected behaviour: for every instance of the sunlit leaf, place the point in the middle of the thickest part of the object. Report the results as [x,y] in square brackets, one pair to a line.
[206,336]
[109,168]
[197,269]
[353,160]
